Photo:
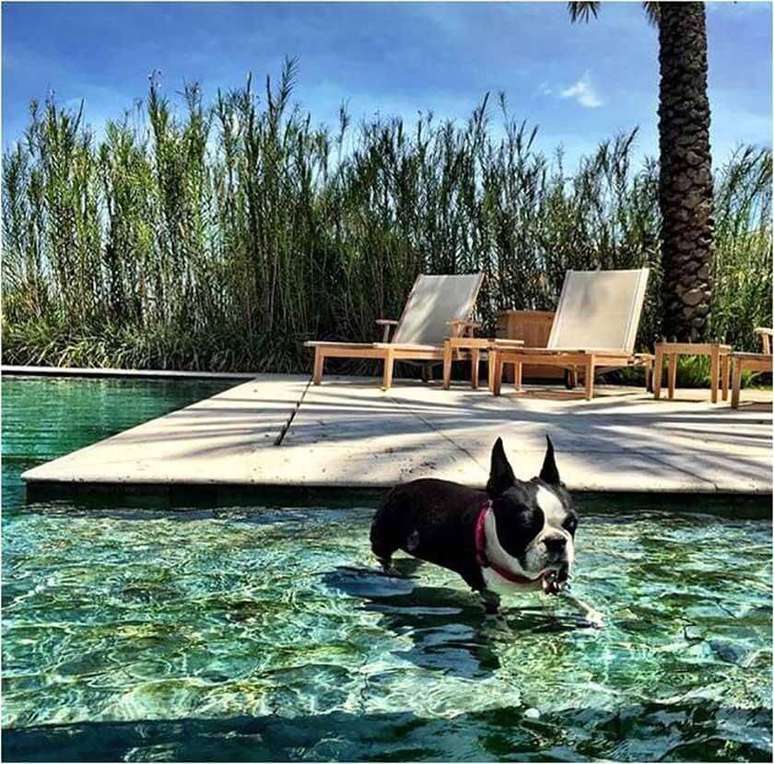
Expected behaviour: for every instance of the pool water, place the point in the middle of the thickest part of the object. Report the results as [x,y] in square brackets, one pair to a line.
[259,632]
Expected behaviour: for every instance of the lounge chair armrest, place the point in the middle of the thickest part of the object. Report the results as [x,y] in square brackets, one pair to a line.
[388,324]
[763,330]
[460,327]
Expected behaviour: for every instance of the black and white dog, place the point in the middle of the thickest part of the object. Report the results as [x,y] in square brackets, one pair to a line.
[516,535]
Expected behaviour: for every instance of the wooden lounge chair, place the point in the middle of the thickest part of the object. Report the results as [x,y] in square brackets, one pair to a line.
[437,307]
[750,362]
[594,328]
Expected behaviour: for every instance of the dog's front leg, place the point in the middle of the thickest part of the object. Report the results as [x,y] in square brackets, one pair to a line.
[590,615]
[491,601]
[593,617]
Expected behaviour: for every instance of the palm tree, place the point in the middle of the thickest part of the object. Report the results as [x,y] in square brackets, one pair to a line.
[685,179]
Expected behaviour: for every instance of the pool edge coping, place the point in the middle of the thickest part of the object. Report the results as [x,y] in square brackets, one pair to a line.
[92,372]
[222,495]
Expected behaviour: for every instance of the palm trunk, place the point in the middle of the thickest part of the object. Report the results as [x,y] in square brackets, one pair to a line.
[685,186]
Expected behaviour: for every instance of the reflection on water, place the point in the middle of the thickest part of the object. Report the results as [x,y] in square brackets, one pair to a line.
[257,633]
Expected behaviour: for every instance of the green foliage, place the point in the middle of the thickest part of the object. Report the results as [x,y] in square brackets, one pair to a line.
[223,237]
[742,264]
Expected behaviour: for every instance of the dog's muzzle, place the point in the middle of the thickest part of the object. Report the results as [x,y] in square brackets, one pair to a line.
[554,581]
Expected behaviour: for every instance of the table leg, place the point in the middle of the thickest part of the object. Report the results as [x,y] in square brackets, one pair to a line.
[714,373]
[490,360]
[474,358]
[725,373]
[649,377]
[658,370]
[671,373]
[447,364]
[736,381]
[497,378]
[517,375]
[589,377]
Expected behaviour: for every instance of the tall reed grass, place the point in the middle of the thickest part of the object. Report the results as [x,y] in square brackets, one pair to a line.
[220,237]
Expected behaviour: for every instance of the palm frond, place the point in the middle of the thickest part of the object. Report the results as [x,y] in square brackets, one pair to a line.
[653,12]
[582,11]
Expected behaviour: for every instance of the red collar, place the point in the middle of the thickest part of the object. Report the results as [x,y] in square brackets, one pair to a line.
[481,557]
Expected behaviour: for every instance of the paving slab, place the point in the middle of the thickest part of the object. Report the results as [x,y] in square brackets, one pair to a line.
[621,441]
[353,434]
[212,441]
[280,431]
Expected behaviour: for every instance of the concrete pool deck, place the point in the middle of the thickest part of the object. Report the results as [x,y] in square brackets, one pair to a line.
[277,430]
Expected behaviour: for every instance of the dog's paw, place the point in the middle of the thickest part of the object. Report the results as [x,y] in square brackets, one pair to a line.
[594,619]
[491,603]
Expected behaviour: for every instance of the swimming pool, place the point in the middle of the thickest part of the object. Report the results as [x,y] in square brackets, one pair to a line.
[259,632]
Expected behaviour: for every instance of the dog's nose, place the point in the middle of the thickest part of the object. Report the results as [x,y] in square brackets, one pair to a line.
[555,544]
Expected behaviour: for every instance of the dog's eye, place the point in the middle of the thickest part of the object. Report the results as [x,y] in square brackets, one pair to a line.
[570,524]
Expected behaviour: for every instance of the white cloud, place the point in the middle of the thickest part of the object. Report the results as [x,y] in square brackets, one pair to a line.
[584,92]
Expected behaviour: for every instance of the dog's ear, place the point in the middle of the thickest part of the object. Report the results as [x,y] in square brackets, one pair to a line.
[549,473]
[501,476]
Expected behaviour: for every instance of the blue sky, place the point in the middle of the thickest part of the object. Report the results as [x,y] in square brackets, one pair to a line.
[579,83]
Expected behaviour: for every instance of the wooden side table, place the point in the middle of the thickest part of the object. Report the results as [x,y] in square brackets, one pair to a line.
[534,327]
[472,346]
[720,366]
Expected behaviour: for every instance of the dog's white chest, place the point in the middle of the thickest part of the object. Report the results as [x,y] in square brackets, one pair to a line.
[497,583]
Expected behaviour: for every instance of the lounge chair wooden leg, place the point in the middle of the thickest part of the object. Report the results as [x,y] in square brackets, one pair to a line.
[725,373]
[714,373]
[447,364]
[658,370]
[474,358]
[490,369]
[517,375]
[319,360]
[736,381]
[497,379]
[589,378]
[389,362]
[671,374]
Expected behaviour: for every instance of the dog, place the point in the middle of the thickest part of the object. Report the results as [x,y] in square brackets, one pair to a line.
[516,536]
